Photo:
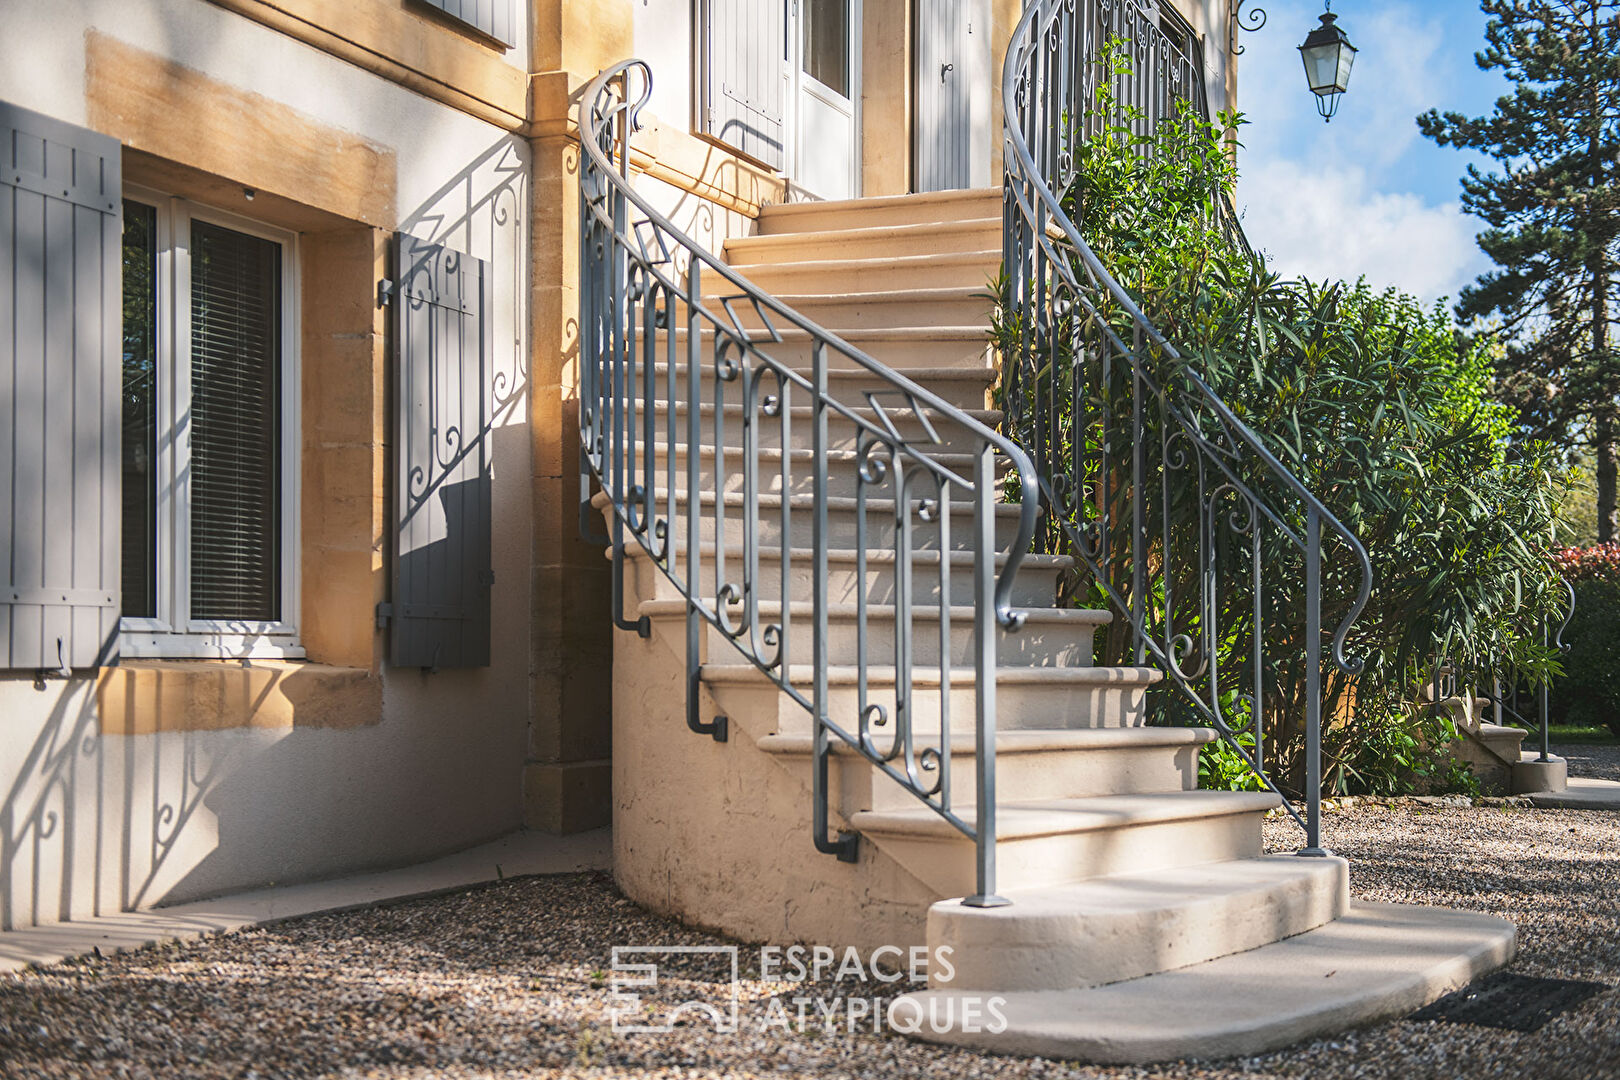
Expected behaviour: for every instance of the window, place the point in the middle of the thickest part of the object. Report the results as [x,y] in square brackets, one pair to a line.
[826,43]
[209,433]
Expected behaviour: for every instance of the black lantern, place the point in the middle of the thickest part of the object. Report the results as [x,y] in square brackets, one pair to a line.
[1328,54]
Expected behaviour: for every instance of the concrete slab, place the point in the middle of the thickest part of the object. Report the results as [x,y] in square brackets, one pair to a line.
[1377,962]
[515,855]
[1580,794]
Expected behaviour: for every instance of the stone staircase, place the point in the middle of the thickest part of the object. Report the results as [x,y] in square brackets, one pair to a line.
[1135,896]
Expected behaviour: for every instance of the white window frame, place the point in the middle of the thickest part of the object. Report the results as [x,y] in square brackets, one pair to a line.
[173,632]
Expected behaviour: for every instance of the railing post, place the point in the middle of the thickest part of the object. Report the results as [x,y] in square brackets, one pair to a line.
[1313,685]
[846,845]
[986,629]
[1546,746]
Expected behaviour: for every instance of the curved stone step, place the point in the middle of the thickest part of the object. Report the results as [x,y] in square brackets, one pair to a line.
[952,305]
[871,211]
[964,387]
[903,348]
[917,238]
[1108,929]
[1050,637]
[1378,961]
[797,472]
[971,269]
[926,430]
[1036,764]
[1035,583]
[1027,698]
[763,522]
[1055,841]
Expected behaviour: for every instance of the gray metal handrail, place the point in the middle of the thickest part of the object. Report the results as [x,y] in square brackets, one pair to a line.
[1069,368]
[913,469]
[1544,691]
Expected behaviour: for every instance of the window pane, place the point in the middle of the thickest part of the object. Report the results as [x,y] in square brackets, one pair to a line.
[826,43]
[140,411]
[235,424]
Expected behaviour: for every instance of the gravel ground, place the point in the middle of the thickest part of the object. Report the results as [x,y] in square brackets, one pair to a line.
[511,980]
[1599,762]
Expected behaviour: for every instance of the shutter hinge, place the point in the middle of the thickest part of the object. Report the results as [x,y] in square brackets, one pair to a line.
[487,578]
[385,292]
[385,611]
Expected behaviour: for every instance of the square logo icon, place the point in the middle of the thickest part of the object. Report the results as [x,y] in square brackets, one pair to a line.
[653,987]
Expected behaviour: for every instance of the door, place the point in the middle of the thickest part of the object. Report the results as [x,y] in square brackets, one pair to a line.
[826,157]
[778,81]
[950,94]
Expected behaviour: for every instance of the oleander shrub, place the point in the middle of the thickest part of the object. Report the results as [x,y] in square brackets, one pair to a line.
[1377,403]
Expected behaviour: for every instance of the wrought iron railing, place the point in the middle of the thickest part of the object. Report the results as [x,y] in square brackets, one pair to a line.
[1505,697]
[1172,504]
[675,348]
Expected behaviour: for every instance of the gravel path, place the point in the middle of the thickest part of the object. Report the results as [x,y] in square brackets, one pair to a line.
[1594,762]
[511,980]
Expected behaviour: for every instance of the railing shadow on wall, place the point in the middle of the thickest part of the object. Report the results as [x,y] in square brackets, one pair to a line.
[94,821]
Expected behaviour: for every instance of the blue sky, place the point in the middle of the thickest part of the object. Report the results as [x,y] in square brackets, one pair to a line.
[1367,193]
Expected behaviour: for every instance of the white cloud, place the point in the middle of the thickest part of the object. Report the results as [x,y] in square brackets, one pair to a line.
[1331,223]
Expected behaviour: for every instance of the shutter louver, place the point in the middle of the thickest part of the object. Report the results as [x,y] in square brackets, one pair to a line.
[439,616]
[235,425]
[744,77]
[490,17]
[60,373]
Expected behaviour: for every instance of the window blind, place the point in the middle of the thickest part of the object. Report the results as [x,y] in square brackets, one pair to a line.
[140,411]
[235,425]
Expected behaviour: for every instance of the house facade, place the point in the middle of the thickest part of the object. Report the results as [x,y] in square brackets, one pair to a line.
[296,582]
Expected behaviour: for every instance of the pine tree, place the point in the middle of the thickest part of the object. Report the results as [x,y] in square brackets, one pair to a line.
[1553,213]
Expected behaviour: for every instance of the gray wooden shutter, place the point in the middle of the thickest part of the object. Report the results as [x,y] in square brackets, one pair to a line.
[61,289]
[490,17]
[439,615]
[942,79]
[743,76]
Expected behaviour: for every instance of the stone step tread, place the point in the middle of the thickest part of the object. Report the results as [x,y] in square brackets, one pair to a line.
[836,238]
[1051,906]
[1378,961]
[941,293]
[895,262]
[855,334]
[1027,741]
[881,202]
[922,376]
[961,614]
[1018,820]
[835,456]
[773,501]
[988,417]
[879,557]
[883,675]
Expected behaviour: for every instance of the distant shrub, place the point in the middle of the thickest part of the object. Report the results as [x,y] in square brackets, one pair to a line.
[1589,692]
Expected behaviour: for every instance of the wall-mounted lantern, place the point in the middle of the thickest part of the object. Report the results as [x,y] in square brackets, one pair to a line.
[1328,55]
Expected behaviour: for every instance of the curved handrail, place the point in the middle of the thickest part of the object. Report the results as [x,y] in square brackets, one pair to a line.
[644,283]
[1056,280]
[1005,613]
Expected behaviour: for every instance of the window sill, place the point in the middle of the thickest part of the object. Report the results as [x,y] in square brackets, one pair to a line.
[143,697]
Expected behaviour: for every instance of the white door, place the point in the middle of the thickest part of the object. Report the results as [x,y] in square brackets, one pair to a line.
[779,81]
[826,77]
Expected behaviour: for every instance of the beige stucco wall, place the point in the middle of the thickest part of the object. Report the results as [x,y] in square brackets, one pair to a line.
[162,782]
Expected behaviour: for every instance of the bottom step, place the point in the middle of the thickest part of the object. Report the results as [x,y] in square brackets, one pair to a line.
[1377,962]
[1580,793]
